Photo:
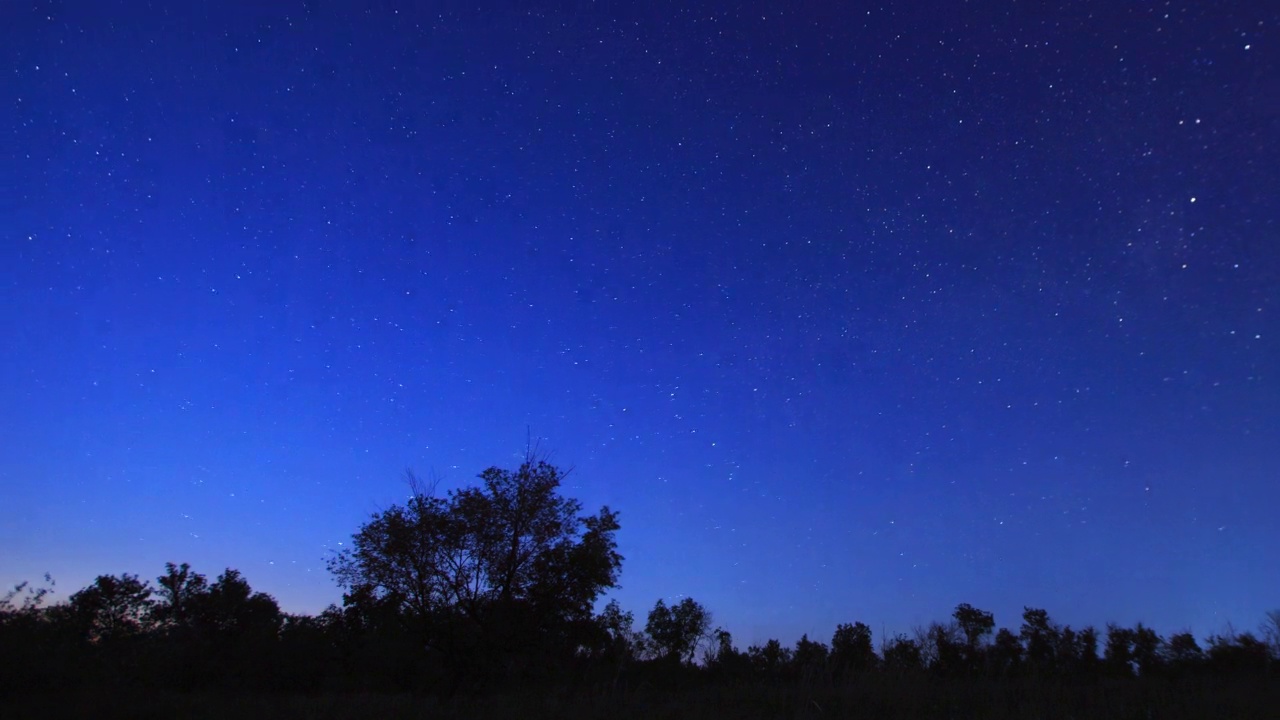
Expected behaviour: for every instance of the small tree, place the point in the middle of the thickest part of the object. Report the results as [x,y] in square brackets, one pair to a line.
[677,630]
[1006,653]
[771,658]
[1183,654]
[902,655]
[976,625]
[1118,653]
[810,657]
[1087,649]
[617,642]
[1041,639]
[852,649]
[112,608]
[1147,647]
[942,647]
[179,588]
[231,608]
[723,658]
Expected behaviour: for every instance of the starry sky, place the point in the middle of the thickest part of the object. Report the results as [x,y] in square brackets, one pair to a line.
[853,311]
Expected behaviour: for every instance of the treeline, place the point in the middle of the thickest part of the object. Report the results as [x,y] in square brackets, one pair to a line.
[968,647]
[185,633]
[494,589]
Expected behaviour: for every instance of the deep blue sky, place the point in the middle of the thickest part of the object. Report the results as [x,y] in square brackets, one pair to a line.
[854,314]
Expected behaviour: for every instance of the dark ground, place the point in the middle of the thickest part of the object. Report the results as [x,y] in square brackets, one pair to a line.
[1165,699]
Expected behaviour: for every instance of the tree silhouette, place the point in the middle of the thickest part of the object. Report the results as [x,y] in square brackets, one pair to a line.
[677,630]
[1040,639]
[508,565]
[179,588]
[1242,654]
[616,644]
[975,625]
[852,650]
[902,655]
[1006,653]
[618,639]
[1184,653]
[723,659]
[230,608]
[1118,653]
[769,659]
[1086,650]
[942,647]
[810,657]
[112,608]
[1147,647]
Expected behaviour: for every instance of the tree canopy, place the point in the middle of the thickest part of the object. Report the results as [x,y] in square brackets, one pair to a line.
[678,629]
[511,562]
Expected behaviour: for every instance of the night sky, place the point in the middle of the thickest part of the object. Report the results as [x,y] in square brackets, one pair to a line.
[853,313]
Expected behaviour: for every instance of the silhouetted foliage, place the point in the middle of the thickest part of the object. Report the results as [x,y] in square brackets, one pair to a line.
[231,609]
[770,659]
[35,653]
[617,640]
[1085,651]
[179,589]
[1118,651]
[1040,638]
[23,601]
[810,658]
[1006,654]
[723,660]
[1242,654]
[1147,647]
[112,609]
[488,595]
[852,650]
[676,631]
[507,570]
[902,655]
[1183,654]
[974,623]
[941,648]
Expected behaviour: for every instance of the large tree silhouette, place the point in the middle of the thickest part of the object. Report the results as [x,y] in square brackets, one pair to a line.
[484,570]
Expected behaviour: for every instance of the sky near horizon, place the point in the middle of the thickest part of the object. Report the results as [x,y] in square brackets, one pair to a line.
[854,312]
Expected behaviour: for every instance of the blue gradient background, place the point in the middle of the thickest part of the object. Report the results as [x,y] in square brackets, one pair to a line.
[854,314]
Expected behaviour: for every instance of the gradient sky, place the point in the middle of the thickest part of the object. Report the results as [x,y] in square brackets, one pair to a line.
[854,314]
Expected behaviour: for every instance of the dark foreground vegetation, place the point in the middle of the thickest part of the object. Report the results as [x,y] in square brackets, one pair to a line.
[483,603]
